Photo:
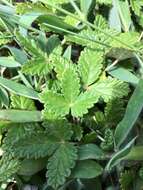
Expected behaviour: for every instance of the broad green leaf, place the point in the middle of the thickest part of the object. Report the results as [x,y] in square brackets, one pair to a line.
[87,169]
[18,88]
[101,22]
[60,164]
[133,110]
[9,62]
[119,155]
[90,151]
[18,116]
[124,75]
[90,65]
[29,167]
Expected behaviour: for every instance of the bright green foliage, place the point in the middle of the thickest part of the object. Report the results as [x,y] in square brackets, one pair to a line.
[60,164]
[110,88]
[101,22]
[20,102]
[90,65]
[38,66]
[128,38]
[136,6]
[29,45]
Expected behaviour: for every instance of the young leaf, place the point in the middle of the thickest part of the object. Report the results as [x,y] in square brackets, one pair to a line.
[90,65]
[133,110]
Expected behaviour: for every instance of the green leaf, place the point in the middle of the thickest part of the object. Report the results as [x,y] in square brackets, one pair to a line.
[85,6]
[130,38]
[38,66]
[55,103]
[4,99]
[60,164]
[29,45]
[118,156]
[84,101]
[18,88]
[136,153]
[124,75]
[90,151]
[8,167]
[9,62]
[36,145]
[124,13]
[110,88]
[133,110]
[136,6]
[18,116]
[90,65]
[30,167]
[70,86]
[87,169]
[20,102]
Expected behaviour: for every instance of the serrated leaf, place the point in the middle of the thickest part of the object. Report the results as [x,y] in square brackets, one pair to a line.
[70,85]
[84,101]
[20,102]
[30,45]
[34,146]
[38,66]
[87,169]
[101,22]
[60,164]
[136,6]
[110,88]
[130,38]
[8,167]
[55,103]
[90,65]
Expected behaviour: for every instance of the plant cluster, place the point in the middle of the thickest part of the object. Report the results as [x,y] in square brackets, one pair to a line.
[71,94]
